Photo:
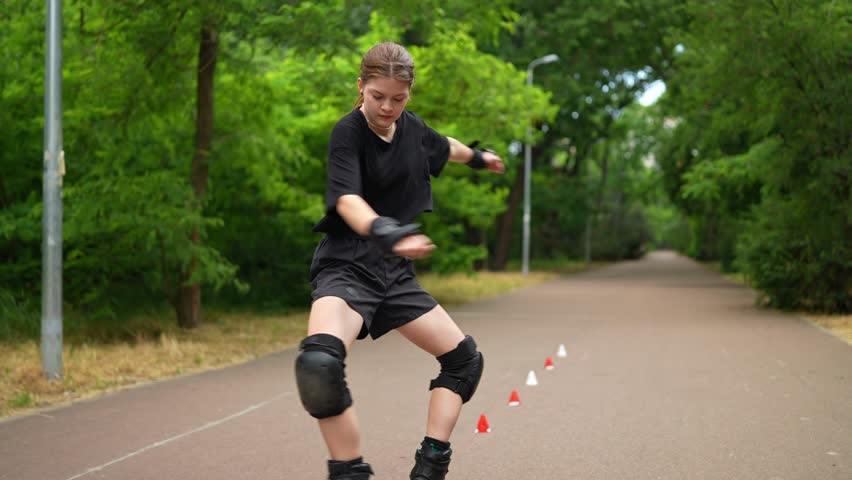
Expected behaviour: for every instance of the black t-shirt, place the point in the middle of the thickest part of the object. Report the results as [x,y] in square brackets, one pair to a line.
[393,178]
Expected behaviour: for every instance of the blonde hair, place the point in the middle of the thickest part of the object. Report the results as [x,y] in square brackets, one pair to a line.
[389,60]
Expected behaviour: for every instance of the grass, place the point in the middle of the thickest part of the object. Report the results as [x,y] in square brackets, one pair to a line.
[459,288]
[151,347]
[94,368]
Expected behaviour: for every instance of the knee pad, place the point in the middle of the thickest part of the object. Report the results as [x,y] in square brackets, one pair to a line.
[320,376]
[461,369]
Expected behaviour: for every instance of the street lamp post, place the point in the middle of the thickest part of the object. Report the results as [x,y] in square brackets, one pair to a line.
[54,168]
[528,167]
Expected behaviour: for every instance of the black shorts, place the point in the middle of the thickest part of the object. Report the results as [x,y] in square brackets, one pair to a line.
[380,287]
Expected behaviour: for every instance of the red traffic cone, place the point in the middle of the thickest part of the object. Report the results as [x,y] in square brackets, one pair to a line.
[548,364]
[482,426]
[514,399]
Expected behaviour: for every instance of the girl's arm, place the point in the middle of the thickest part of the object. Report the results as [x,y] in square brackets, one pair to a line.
[461,153]
[357,213]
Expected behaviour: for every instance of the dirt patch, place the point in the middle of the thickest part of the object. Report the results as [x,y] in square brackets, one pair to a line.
[839,325]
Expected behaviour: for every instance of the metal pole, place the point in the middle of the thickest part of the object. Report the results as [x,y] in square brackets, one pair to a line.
[54,169]
[525,268]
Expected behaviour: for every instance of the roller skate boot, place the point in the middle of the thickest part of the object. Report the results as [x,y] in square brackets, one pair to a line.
[350,470]
[431,461]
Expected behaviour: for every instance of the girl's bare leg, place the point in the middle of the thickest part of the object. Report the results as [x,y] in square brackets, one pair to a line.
[437,333]
[331,315]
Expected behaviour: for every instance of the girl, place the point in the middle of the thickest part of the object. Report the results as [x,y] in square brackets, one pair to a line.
[380,158]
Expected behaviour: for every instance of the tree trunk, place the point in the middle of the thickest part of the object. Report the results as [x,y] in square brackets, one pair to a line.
[595,215]
[506,223]
[476,236]
[189,306]
[3,201]
[604,172]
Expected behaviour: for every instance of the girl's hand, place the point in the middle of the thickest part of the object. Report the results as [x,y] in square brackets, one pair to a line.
[414,246]
[493,163]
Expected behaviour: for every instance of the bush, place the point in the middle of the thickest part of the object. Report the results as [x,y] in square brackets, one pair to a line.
[798,259]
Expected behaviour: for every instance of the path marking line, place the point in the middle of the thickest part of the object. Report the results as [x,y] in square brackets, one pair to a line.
[206,426]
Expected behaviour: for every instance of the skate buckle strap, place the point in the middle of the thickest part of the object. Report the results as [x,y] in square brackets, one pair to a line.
[457,385]
[430,465]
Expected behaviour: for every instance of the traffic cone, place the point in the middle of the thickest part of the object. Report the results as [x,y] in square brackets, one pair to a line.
[561,353]
[482,426]
[531,380]
[548,364]
[514,399]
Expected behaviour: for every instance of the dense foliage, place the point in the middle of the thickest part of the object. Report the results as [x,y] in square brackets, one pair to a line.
[750,144]
[760,158]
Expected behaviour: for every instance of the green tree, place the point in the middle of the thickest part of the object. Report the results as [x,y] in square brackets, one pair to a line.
[196,135]
[609,52]
[760,160]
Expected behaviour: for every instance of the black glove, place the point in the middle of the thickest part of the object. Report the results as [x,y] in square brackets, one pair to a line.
[386,231]
[477,162]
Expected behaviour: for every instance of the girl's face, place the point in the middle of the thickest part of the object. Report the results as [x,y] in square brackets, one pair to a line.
[384,100]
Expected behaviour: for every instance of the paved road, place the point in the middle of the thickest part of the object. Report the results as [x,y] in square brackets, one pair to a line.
[671,373]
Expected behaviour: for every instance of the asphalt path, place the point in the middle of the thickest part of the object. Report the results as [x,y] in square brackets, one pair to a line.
[671,373]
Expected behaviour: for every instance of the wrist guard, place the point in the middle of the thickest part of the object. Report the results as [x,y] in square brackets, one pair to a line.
[477,162]
[386,231]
